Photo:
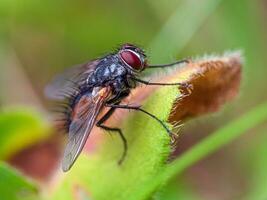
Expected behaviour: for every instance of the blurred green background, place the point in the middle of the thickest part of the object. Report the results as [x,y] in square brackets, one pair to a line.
[40,38]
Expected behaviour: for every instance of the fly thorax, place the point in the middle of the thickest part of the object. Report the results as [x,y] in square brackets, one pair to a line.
[119,85]
[116,70]
[130,82]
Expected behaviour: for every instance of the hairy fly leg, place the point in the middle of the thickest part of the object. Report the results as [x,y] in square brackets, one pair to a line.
[170,64]
[138,108]
[113,129]
[151,83]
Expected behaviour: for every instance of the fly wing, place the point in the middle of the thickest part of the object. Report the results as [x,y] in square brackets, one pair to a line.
[83,119]
[67,83]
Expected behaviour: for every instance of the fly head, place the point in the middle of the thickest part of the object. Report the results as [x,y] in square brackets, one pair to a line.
[133,57]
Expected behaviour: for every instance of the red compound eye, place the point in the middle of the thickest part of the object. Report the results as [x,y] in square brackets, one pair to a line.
[132,59]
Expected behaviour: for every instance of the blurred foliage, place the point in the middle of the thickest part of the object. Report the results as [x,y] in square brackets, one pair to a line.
[175,190]
[180,28]
[49,35]
[259,177]
[14,186]
[21,128]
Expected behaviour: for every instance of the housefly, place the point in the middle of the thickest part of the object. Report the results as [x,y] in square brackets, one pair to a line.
[84,91]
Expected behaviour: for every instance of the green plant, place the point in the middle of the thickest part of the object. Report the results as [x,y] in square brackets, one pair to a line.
[145,173]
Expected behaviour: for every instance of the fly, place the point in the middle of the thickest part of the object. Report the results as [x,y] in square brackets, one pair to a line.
[84,91]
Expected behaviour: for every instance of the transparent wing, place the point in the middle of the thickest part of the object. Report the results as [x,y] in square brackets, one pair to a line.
[83,119]
[66,84]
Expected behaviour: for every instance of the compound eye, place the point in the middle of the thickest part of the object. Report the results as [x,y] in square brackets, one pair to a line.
[132,59]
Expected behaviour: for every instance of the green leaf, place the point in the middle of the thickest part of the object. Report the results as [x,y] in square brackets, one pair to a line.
[148,150]
[209,145]
[13,186]
[19,128]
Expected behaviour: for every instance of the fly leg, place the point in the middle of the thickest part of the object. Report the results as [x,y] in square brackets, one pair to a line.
[113,129]
[170,64]
[151,83]
[187,86]
[138,108]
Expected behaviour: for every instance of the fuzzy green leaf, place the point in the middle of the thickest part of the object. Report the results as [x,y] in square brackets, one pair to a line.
[148,149]
[209,145]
